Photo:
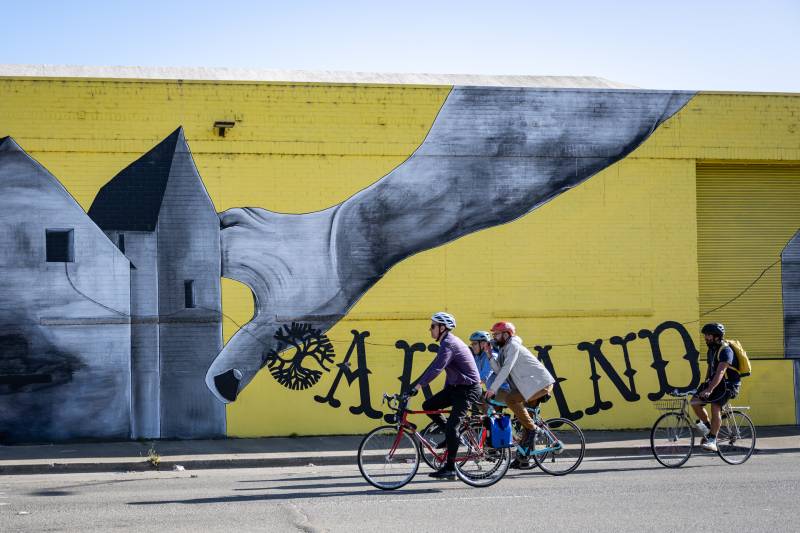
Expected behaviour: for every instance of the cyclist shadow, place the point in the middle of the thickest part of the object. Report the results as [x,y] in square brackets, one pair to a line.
[287,496]
[361,483]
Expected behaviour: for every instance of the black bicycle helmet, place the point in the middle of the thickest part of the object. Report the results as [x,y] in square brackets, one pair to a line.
[714,328]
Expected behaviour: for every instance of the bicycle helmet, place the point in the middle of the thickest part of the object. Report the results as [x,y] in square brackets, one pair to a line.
[714,328]
[481,336]
[507,327]
[447,319]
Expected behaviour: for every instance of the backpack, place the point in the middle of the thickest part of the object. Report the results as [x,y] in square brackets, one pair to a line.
[742,364]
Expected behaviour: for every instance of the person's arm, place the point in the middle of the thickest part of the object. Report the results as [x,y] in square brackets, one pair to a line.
[715,380]
[442,359]
[502,375]
[725,359]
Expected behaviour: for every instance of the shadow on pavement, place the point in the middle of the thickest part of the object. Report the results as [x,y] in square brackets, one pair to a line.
[308,478]
[285,496]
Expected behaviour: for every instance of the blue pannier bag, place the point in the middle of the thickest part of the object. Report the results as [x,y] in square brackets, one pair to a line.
[500,431]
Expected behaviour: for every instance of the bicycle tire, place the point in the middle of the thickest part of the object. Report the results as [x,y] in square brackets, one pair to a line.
[485,468]
[672,439]
[573,448]
[378,468]
[736,427]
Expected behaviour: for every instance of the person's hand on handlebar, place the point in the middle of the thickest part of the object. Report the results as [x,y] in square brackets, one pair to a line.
[488,394]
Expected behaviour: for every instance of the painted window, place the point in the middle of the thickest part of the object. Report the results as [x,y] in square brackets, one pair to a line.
[59,245]
[188,290]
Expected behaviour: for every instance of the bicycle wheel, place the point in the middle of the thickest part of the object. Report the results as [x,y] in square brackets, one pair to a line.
[477,465]
[388,457]
[672,439]
[736,439]
[569,447]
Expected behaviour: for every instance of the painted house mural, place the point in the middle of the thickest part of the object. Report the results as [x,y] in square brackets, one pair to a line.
[159,214]
[64,336]
[112,319]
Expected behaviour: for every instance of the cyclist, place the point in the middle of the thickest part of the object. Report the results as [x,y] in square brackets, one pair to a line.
[480,344]
[461,387]
[722,383]
[529,379]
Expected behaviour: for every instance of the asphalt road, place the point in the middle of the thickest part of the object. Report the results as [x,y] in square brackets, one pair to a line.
[603,495]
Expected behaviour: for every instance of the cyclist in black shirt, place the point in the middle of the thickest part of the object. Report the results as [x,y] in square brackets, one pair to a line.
[722,383]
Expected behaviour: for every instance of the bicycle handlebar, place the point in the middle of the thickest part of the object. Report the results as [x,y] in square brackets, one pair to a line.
[398,402]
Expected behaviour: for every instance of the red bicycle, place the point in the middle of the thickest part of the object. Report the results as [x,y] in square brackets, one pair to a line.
[388,456]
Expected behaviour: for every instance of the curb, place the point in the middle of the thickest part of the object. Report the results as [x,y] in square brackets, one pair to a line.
[633,452]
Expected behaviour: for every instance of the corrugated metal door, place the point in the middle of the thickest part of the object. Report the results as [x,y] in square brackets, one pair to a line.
[746,214]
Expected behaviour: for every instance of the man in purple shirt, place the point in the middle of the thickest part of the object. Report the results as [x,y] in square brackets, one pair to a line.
[462,386]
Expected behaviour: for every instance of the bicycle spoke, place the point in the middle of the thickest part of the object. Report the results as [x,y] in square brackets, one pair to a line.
[477,465]
[736,439]
[388,458]
[559,447]
[671,439]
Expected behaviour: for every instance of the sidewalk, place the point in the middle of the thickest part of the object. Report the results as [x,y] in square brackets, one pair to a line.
[282,451]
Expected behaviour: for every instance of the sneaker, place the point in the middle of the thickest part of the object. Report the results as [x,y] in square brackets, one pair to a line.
[443,473]
[709,444]
[520,464]
[527,437]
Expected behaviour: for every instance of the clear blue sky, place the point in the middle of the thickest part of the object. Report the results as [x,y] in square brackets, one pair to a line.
[701,44]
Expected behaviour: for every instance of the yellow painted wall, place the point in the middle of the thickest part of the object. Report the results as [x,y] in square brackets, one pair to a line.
[751,211]
[615,255]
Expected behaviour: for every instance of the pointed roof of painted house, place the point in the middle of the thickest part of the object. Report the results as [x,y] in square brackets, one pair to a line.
[20,170]
[132,200]
[7,143]
[25,185]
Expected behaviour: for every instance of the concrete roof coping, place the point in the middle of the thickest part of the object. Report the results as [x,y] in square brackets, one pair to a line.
[304,76]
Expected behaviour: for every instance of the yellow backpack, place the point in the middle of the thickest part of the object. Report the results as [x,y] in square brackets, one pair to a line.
[742,365]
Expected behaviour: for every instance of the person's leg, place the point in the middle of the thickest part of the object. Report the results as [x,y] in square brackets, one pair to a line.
[462,398]
[533,401]
[698,406]
[440,400]
[516,403]
[716,419]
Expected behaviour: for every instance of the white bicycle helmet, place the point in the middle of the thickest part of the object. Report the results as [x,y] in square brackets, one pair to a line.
[447,319]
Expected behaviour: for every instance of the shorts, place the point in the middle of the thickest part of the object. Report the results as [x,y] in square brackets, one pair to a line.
[721,394]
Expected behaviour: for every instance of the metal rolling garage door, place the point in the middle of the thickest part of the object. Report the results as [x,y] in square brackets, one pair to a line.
[746,215]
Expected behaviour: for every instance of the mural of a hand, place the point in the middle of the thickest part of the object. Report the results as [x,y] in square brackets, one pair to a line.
[492,155]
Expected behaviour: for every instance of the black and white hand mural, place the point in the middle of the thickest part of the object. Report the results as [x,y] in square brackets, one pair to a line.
[110,321]
[491,156]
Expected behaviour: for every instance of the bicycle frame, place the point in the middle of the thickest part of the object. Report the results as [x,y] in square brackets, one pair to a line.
[523,450]
[403,425]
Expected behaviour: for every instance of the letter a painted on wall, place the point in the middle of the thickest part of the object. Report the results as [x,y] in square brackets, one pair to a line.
[361,373]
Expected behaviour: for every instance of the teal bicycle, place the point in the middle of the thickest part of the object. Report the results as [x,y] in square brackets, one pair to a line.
[557,448]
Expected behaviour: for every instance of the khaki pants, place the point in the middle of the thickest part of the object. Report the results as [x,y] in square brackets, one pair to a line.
[517,403]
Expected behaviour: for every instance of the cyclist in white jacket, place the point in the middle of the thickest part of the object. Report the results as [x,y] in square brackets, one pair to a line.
[529,379]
